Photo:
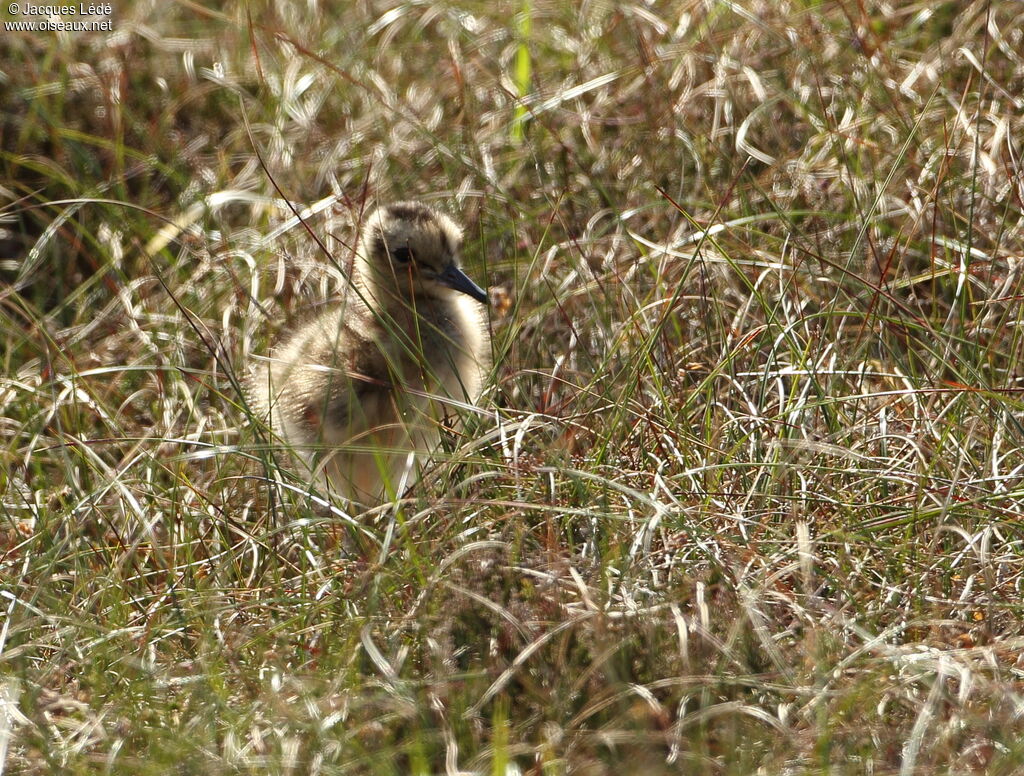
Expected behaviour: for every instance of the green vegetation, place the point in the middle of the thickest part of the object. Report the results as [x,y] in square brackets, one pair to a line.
[748,495]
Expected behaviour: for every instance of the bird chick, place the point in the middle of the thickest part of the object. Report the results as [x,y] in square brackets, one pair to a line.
[360,389]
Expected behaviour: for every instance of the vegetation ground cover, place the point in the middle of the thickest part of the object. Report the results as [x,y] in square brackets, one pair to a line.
[747,493]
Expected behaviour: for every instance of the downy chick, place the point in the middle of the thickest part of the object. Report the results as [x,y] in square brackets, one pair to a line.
[359,390]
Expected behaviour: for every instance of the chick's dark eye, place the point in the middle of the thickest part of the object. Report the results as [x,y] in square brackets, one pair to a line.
[401,255]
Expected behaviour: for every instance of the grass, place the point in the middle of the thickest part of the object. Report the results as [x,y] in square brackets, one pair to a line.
[747,496]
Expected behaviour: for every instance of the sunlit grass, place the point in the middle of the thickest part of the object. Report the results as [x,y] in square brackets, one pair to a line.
[747,492]
[524,26]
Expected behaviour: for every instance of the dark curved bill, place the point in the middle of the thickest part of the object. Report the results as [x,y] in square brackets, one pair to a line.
[455,278]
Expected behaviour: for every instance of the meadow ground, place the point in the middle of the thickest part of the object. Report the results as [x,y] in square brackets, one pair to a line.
[748,493]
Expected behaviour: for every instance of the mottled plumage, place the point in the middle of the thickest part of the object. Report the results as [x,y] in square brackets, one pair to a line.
[361,386]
